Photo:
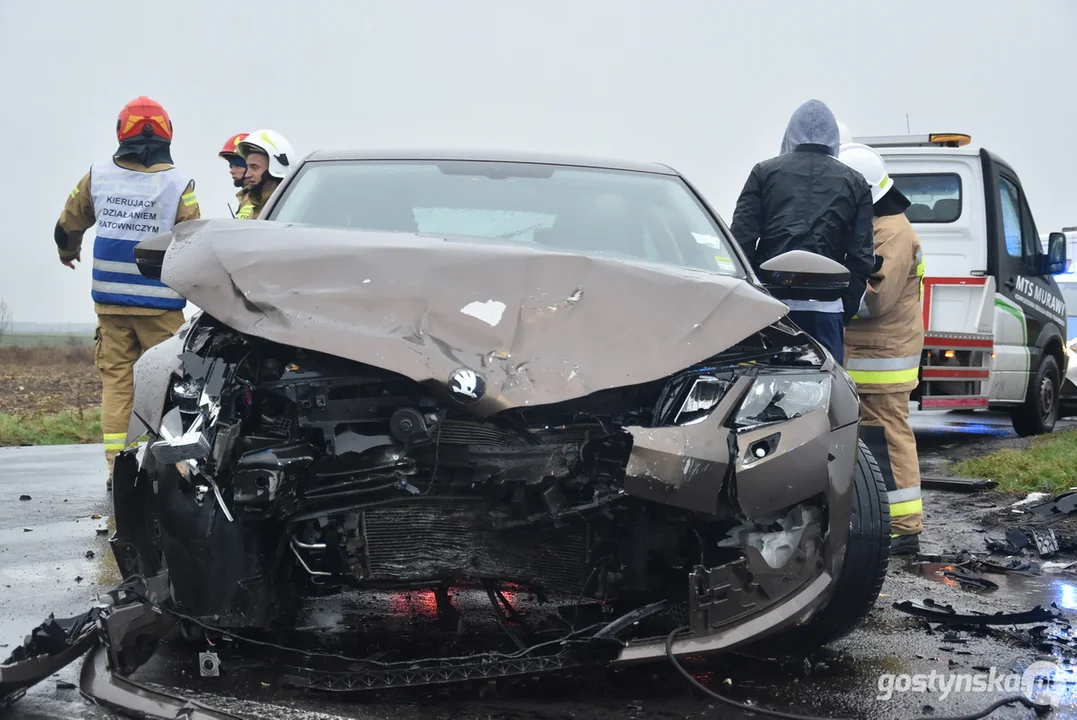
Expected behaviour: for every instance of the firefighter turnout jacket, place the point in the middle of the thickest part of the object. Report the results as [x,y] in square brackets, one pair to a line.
[885,339]
[254,199]
[882,354]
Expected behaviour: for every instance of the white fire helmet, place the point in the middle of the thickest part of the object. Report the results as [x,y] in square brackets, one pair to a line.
[870,164]
[272,144]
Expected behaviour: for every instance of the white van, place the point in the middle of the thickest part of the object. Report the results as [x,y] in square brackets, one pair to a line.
[994,317]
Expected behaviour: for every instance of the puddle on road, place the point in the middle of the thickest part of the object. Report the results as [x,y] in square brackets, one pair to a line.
[1014,589]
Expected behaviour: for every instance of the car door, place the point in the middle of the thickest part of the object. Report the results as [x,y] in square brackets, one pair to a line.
[1023,292]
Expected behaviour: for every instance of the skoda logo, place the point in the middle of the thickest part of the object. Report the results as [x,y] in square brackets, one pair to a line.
[466,386]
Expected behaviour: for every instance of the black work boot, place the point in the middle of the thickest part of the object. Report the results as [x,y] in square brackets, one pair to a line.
[905,544]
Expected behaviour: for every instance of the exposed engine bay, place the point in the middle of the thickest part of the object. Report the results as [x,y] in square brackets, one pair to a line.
[281,473]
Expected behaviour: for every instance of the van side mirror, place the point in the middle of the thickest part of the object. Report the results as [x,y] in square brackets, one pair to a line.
[1054,262]
[802,275]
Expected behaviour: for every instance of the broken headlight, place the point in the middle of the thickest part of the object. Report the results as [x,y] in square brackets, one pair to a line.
[777,398]
[186,393]
[706,392]
[177,444]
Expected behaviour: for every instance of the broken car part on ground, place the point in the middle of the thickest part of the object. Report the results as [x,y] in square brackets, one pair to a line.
[572,384]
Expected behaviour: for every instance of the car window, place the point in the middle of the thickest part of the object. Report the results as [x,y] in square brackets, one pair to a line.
[633,215]
[1010,202]
[1029,236]
[934,198]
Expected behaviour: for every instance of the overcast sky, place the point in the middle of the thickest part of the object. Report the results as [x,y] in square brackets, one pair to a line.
[704,85]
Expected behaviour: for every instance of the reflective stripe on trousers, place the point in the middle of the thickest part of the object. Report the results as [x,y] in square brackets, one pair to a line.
[906,501]
[115,441]
[119,342]
[883,371]
[885,429]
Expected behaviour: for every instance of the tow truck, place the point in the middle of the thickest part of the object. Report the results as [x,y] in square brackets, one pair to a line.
[994,317]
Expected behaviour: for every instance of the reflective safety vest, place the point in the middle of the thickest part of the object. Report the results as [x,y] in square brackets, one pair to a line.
[884,342]
[131,206]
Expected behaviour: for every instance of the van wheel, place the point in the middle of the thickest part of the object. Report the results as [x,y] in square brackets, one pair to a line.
[867,558]
[1038,414]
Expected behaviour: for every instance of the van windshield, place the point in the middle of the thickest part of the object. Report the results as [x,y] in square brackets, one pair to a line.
[935,198]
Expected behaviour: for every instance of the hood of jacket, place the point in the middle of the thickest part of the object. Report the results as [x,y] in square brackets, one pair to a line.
[538,326]
[812,124]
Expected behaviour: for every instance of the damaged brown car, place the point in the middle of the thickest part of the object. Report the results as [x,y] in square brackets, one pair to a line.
[556,375]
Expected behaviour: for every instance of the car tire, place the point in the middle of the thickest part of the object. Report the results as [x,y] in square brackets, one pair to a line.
[867,558]
[1039,412]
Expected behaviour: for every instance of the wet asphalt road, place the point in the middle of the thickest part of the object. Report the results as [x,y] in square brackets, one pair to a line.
[48,570]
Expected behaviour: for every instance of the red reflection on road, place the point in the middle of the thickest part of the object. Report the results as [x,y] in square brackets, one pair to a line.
[412,603]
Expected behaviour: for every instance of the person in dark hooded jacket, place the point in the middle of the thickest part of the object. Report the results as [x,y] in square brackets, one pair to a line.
[806,199]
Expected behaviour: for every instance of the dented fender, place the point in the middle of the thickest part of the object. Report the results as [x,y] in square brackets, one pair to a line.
[685,466]
[153,376]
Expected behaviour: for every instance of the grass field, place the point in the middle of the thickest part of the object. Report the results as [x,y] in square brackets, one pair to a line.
[44,339]
[1049,464]
[64,428]
[49,394]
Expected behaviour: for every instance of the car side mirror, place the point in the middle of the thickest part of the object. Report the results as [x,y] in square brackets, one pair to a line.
[1054,262]
[802,275]
[150,255]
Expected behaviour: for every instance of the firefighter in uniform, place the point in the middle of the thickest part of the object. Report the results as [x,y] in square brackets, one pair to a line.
[133,195]
[237,166]
[883,344]
[268,156]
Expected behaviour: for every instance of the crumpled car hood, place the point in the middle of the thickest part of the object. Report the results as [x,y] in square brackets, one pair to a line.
[539,326]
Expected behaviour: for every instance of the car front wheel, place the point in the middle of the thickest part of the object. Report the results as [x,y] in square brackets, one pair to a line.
[862,574]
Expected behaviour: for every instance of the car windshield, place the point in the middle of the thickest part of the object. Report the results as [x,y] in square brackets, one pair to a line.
[634,215]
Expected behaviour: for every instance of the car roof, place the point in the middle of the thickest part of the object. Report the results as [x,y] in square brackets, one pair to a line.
[492,156]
